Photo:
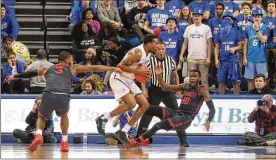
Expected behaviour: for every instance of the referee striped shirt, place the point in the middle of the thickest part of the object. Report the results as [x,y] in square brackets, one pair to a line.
[169,66]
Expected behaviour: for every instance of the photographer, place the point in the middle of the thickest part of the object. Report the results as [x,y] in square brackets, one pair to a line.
[264,116]
[28,135]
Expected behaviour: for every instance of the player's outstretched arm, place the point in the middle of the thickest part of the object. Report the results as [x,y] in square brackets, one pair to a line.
[29,74]
[205,94]
[164,86]
[94,68]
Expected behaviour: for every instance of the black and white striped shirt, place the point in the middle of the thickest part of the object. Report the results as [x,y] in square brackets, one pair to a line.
[169,66]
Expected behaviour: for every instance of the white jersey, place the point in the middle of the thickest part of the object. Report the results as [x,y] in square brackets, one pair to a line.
[143,61]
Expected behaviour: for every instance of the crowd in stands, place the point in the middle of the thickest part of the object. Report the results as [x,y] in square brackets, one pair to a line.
[232,43]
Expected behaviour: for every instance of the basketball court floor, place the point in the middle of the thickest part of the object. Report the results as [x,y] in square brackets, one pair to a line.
[165,151]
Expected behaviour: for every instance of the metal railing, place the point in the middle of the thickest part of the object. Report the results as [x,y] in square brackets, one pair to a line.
[44,28]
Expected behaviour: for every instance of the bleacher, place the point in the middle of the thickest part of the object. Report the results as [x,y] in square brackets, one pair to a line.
[29,14]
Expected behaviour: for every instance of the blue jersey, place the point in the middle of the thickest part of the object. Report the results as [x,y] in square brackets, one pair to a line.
[225,43]
[202,5]
[215,24]
[174,6]
[173,43]
[271,23]
[182,25]
[256,50]
[230,7]
[243,22]
[123,122]
[212,9]
[157,17]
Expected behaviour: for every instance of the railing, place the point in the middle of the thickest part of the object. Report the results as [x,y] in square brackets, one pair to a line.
[44,28]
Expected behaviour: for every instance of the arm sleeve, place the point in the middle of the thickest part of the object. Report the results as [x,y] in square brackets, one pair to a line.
[102,17]
[15,27]
[212,110]
[75,16]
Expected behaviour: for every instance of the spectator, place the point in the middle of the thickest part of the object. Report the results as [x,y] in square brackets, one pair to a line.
[9,24]
[90,17]
[232,7]
[81,77]
[6,48]
[122,120]
[270,21]
[172,39]
[28,135]
[113,57]
[228,42]
[157,17]
[259,4]
[184,20]
[100,3]
[84,38]
[88,87]
[264,116]
[215,23]
[13,67]
[261,86]
[254,51]
[129,4]
[77,12]
[136,17]
[203,6]
[175,6]
[110,16]
[38,83]
[197,34]
[9,10]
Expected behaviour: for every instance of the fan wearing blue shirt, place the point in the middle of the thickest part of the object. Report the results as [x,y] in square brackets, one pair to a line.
[9,24]
[231,7]
[270,21]
[228,42]
[174,6]
[184,19]
[244,19]
[202,5]
[172,39]
[254,51]
[157,17]
[215,23]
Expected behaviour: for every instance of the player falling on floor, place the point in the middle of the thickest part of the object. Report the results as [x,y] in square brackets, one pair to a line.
[56,96]
[193,96]
[125,89]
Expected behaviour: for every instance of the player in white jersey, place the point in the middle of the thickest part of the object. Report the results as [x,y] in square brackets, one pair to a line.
[126,90]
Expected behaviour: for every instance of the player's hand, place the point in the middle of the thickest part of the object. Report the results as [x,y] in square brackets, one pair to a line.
[208,61]
[118,70]
[245,61]
[144,71]
[232,50]
[158,69]
[9,78]
[207,126]
[217,63]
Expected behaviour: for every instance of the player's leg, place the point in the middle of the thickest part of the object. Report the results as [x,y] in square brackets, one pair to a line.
[61,111]
[181,133]
[154,100]
[249,74]
[44,113]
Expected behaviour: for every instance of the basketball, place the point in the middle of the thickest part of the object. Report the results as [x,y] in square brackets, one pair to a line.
[139,78]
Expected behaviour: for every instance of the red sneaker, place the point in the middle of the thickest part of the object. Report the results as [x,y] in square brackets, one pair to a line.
[133,143]
[64,147]
[145,142]
[38,140]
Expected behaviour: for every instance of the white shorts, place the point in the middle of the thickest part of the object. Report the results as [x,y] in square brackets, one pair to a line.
[122,86]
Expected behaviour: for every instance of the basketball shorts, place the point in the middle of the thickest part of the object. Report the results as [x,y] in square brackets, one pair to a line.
[229,70]
[254,68]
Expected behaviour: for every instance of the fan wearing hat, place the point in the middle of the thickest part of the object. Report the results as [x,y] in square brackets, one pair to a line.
[227,44]
[254,51]
[198,41]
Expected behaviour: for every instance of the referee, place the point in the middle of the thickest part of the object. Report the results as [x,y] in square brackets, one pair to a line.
[155,94]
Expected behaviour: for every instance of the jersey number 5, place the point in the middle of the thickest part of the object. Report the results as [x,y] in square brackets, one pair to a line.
[186,100]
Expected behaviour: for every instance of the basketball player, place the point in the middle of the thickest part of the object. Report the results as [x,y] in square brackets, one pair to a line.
[126,90]
[193,96]
[56,96]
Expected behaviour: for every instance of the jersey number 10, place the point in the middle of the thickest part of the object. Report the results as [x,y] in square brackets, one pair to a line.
[186,100]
